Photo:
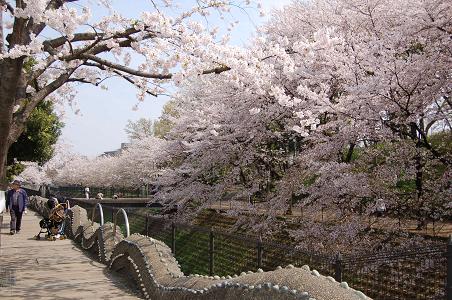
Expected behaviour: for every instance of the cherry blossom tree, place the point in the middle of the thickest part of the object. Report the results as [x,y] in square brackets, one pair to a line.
[135,166]
[35,67]
[349,77]
[334,105]
[139,129]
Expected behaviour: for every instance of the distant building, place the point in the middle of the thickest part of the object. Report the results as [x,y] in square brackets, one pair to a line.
[117,152]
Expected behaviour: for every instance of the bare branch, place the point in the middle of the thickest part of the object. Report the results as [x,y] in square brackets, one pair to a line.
[8,6]
[131,71]
[20,118]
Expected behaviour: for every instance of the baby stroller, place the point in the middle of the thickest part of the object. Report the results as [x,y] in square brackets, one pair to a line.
[53,226]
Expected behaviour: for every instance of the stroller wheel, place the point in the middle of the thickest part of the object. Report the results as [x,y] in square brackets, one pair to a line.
[37,237]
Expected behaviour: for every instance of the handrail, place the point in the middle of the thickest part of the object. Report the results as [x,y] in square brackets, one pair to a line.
[101,214]
[126,220]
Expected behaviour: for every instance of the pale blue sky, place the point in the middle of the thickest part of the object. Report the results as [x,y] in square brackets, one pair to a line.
[104,114]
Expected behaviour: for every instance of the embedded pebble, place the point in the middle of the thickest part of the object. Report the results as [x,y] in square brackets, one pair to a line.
[344,285]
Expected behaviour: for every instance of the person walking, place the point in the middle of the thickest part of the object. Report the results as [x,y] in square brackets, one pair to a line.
[16,203]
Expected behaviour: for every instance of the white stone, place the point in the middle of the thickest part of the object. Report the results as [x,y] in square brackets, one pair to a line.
[315,273]
[361,295]
[344,285]
[330,278]
[290,266]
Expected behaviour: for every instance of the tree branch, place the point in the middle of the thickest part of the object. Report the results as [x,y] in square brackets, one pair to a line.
[8,6]
[131,71]
[36,29]
[21,117]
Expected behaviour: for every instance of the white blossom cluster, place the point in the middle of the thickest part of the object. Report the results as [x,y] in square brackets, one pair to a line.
[323,82]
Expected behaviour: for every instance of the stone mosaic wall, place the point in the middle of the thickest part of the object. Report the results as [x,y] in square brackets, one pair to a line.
[151,265]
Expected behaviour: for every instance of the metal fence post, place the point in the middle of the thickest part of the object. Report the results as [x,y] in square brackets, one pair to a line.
[338,268]
[112,214]
[211,252]
[173,238]
[449,269]
[146,231]
[259,253]
[1,225]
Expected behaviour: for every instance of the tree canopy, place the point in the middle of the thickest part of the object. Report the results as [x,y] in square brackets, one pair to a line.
[52,46]
[37,141]
[334,106]
[42,130]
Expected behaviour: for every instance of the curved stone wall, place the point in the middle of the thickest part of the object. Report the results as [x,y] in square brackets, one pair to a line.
[151,265]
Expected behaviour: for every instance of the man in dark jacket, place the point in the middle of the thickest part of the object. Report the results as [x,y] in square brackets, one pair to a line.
[16,202]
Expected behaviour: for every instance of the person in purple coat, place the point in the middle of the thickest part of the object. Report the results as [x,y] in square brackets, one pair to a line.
[16,202]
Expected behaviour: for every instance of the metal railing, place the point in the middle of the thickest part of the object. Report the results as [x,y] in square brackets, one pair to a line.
[101,214]
[126,221]
[79,192]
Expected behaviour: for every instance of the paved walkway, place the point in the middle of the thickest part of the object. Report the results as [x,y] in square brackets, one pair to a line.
[31,269]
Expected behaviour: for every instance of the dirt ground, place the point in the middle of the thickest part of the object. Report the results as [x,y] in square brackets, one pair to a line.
[438,229]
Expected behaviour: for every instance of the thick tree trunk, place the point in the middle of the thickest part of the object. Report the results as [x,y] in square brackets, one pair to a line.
[419,180]
[5,125]
[422,222]
[9,74]
[6,112]
[349,156]
[1,32]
